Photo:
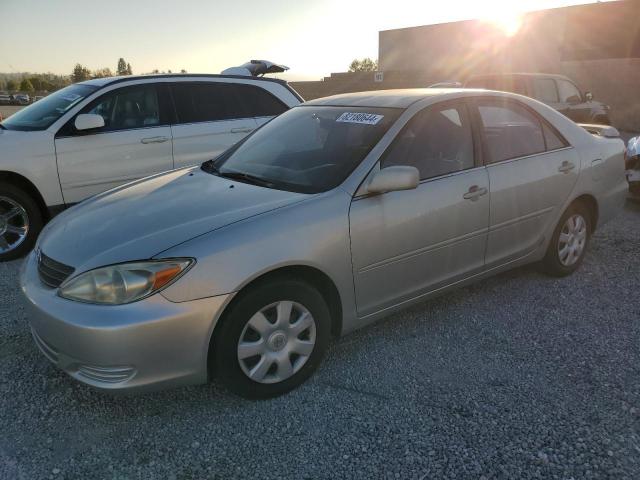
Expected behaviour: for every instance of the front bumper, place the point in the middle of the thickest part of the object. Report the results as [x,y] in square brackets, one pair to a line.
[150,344]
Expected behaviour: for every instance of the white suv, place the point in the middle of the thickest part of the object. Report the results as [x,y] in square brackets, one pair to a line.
[96,135]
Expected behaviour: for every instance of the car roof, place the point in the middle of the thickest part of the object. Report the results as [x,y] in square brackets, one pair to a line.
[103,82]
[401,98]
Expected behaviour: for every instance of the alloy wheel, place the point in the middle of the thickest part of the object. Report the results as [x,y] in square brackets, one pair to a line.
[14,224]
[276,342]
[572,240]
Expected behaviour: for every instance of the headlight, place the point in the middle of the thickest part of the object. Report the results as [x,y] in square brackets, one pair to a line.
[123,283]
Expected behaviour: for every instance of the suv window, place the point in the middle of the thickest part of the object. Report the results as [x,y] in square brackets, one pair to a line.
[510,130]
[544,89]
[127,108]
[437,141]
[568,92]
[258,102]
[206,102]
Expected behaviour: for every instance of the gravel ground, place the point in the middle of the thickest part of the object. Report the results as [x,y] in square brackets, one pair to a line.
[520,376]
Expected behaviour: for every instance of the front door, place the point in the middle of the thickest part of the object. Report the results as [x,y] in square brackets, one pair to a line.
[407,243]
[134,143]
[532,170]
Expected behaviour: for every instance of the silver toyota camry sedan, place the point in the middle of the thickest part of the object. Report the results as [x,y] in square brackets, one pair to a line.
[332,215]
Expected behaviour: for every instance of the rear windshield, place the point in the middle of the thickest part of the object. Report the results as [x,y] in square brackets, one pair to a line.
[307,149]
[40,115]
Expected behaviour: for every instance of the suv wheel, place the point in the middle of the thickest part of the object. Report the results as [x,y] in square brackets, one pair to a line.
[272,339]
[20,222]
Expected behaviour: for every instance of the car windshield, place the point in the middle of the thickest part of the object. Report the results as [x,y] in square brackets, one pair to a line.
[308,149]
[44,112]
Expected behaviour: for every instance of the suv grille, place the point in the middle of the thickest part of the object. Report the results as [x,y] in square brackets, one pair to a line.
[53,273]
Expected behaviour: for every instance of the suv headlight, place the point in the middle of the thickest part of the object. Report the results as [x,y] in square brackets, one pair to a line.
[125,282]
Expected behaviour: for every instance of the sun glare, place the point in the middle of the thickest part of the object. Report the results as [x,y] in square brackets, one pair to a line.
[508,22]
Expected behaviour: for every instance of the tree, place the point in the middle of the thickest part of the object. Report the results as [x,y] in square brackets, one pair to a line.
[12,85]
[183,71]
[80,73]
[122,67]
[37,83]
[25,86]
[103,73]
[129,70]
[364,65]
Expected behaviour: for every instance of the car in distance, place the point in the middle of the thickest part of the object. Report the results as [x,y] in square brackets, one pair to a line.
[5,99]
[96,135]
[336,213]
[557,91]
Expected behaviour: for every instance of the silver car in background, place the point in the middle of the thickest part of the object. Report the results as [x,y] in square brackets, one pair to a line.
[334,214]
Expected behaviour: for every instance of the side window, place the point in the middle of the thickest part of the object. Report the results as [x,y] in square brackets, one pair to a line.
[127,108]
[568,92]
[258,102]
[544,89]
[437,141]
[205,102]
[552,138]
[510,131]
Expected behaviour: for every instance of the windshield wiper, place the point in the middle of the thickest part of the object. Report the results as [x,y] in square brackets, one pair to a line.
[244,177]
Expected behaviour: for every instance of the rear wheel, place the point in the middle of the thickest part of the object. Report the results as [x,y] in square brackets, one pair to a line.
[272,338]
[20,222]
[569,242]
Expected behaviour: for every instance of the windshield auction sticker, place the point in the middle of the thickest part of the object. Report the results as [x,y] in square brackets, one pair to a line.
[363,118]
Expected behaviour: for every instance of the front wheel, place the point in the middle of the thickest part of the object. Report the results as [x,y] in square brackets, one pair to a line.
[20,222]
[569,242]
[272,338]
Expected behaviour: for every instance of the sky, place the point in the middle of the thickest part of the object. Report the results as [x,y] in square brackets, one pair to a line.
[312,37]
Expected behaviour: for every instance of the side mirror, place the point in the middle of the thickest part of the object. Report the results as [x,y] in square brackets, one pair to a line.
[588,96]
[88,121]
[394,178]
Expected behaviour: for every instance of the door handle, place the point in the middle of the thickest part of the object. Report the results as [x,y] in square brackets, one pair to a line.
[566,167]
[241,130]
[474,193]
[154,140]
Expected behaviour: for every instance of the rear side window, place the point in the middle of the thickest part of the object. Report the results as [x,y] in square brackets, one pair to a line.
[552,138]
[206,102]
[259,103]
[510,131]
[544,89]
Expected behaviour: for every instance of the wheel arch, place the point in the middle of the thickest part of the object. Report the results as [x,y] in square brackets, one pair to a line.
[25,184]
[590,202]
[310,275]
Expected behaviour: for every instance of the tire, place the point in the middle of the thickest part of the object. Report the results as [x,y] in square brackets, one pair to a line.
[18,212]
[559,261]
[276,345]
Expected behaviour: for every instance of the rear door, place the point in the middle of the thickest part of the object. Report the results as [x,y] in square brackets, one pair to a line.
[211,117]
[134,143]
[532,170]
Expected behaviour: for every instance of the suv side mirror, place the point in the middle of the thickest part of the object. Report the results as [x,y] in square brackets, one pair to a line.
[394,178]
[588,96]
[88,121]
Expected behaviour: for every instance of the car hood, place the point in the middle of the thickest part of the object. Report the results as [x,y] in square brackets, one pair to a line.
[142,219]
